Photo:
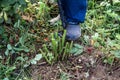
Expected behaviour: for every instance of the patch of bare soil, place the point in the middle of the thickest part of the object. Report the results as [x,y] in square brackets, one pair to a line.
[83,67]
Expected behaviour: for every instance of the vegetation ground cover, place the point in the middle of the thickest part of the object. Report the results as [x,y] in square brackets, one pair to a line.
[27,45]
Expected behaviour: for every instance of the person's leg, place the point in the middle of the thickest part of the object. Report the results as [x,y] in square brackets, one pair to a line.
[74,13]
[74,10]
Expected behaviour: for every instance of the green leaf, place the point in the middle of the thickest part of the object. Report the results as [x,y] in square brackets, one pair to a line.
[50,56]
[78,46]
[1,14]
[38,57]
[33,61]
[5,16]
[9,47]
[17,24]
[118,36]
[7,52]
[80,51]
[64,76]
[86,38]
[116,53]
[77,49]
[109,60]
[10,69]
[5,79]
[22,49]
[22,2]
[74,50]
[20,58]
[110,42]
[95,36]
[1,57]
[26,65]
[16,6]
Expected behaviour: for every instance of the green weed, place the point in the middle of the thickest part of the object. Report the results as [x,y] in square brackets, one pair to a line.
[58,49]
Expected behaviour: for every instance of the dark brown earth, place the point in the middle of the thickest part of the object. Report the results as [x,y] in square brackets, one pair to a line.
[88,66]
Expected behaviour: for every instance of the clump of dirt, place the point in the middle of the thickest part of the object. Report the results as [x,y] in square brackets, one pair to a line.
[82,67]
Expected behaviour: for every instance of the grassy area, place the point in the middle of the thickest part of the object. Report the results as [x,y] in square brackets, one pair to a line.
[25,36]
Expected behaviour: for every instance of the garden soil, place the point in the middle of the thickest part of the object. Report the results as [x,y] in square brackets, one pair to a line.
[88,66]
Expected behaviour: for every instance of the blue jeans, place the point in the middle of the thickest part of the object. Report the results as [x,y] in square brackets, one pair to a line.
[74,10]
